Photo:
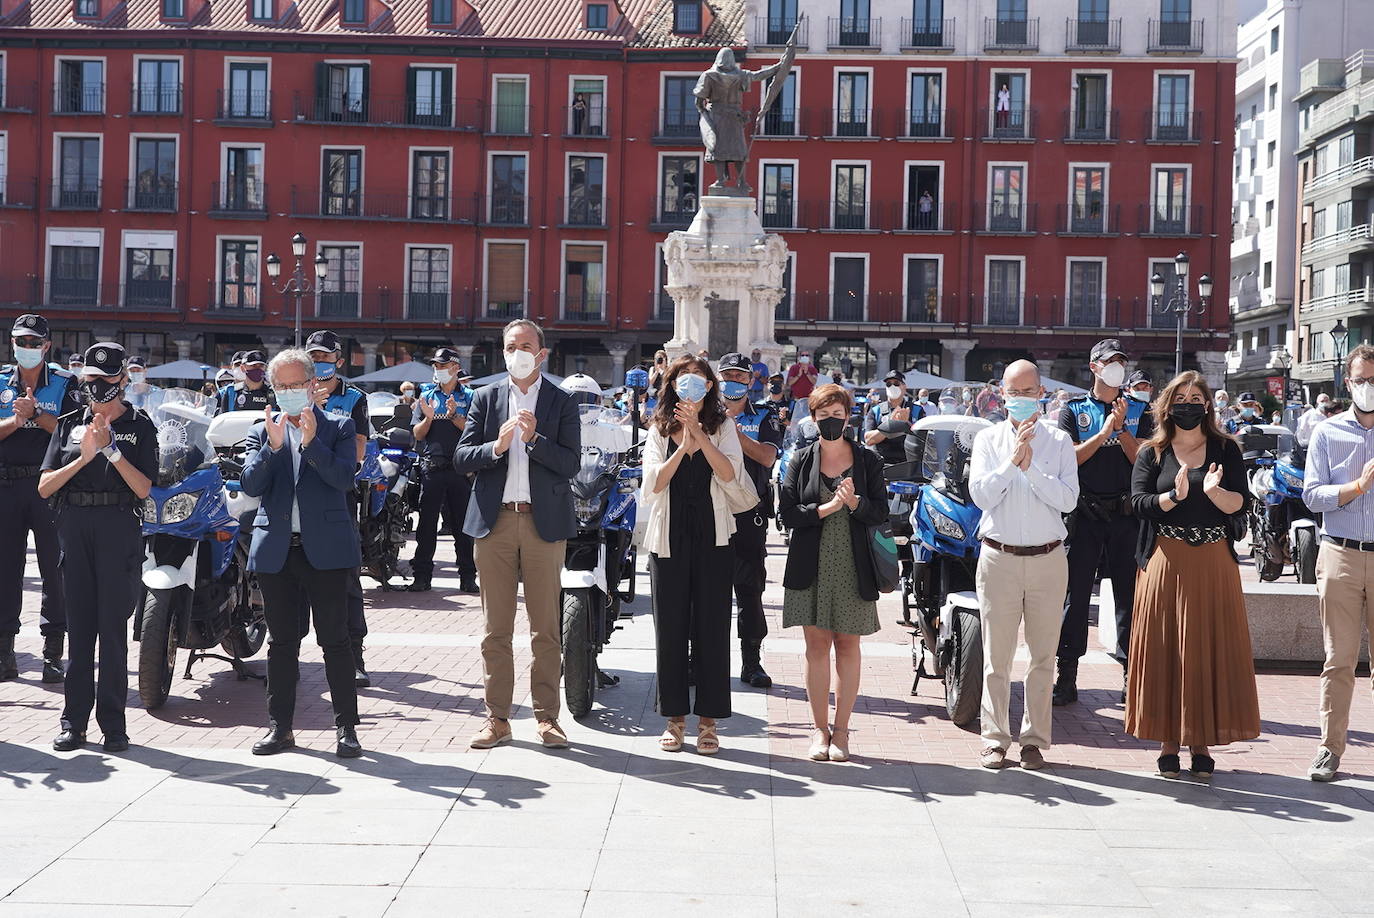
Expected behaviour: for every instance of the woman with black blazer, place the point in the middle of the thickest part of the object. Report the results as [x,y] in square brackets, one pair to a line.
[833,493]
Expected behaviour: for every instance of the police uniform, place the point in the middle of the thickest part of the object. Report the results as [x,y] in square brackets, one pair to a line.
[240,397]
[98,527]
[891,449]
[21,458]
[443,489]
[1103,528]
[137,394]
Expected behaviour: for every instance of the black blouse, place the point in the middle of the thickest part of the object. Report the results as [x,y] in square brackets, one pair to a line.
[133,432]
[1153,476]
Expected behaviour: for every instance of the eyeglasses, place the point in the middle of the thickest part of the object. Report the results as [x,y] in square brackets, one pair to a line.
[1359,381]
[28,342]
[291,387]
[1023,393]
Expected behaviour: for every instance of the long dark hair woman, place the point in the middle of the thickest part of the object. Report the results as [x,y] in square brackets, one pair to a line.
[1192,674]
[834,491]
[692,454]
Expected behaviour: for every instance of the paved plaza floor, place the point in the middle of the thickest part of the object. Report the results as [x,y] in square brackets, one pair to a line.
[189,823]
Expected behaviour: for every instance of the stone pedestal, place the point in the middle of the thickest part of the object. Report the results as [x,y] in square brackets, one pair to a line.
[369,346]
[882,350]
[183,345]
[954,357]
[725,278]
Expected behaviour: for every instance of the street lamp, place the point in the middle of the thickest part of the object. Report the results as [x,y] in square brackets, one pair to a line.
[297,284]
[1280,358]
[1339,342]
[1178,302]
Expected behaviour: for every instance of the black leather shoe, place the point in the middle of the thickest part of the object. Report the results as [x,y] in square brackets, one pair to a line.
[1066,686]
[469,585]
[348,747]
[275,741]
[68,740]
[360,676]
[752,673]
[9,666]
[52,659]
[418,586]
[116,743]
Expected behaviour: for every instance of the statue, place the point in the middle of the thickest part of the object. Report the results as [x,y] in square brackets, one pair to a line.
[719,96]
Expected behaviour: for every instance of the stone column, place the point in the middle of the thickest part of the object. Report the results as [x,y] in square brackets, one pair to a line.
[1212,366]
[618,351]
[465,356]
[369,346]
[883,348]
[183,344]
[953,356]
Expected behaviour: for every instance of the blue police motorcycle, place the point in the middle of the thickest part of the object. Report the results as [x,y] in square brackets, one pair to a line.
[198,591]
[383,512]
[1282,529]
[946,630]
[801,432]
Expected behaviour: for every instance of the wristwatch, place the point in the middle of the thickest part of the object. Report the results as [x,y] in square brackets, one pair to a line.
[1172,495]
[112,453]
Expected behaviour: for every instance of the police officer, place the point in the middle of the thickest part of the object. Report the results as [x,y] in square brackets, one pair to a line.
[1141,386]
[1248,411]
[440,414]
[887,423]
[1107,429]
[251,393]
[100,465]
[761,441]
[234,373]
[340,400]
[75,363]
[139,388]
[33,395]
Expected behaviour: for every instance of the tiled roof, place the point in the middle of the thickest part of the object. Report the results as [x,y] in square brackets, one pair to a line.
[644,23]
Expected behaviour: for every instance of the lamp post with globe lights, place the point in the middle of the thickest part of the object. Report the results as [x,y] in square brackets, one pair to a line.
[1178,302]
[297,284]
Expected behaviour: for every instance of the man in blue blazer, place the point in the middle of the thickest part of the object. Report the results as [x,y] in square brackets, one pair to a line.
[523,439]
[301,462]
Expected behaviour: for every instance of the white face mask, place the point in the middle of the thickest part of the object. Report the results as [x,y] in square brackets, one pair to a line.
[442,376]
[894,392]
[803,359]
[520,364]
[1112,375]
[137,378]
[1140,395]
[239,375]
[1363,396]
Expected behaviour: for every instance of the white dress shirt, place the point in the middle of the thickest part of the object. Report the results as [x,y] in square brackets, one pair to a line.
[1308,423]
[1023,507]
[517,460]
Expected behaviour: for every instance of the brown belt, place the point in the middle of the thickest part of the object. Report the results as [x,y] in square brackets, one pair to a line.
[1023,551]
[519,506]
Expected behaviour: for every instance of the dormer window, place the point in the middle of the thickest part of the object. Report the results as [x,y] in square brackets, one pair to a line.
[354,11]
[597,16]
[687,17]
[173,9]
[87,9]
[441,12]
[261,10]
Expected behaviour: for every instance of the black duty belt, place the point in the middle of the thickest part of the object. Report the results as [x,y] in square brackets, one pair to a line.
[97,498]
[1349,543]
[1022,551]
[17,472]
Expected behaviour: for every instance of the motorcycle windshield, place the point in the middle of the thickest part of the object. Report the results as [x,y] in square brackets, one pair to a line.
[182,419]
[605,429]
[595,463]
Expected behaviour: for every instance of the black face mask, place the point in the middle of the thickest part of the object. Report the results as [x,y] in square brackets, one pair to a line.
[775,388]
[831,428]
[99,391]
[1187,415]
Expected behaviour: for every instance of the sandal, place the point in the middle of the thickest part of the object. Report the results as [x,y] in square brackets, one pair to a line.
[839,751]
[671,740]
[707,743]
[820,748]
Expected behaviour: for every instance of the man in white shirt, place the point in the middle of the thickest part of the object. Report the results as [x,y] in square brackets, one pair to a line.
[1024,478]
[1311,418]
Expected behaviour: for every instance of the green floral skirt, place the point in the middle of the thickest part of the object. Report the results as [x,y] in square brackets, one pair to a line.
[832,602]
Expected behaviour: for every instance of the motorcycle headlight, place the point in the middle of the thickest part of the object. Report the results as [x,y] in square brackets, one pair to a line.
[179,507]
[149,510]
[1293,481]
[946,526]
[586,508]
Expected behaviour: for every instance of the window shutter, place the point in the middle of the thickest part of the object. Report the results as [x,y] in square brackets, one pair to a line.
[446,96]
[321,89]
[591,253]
[367,76]
[505,272]
[410,95]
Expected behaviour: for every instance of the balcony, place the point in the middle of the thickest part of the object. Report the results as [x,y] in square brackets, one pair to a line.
[673,215]
[1016,125]
[1173,125]
[1175,37]
[389,111]
[504,209]
[80,99]
[848,33]
[929,124]
[151,196]
[927,35]
[677,126]
[773,32]
[155,100]
[248,109]
[852,123]
[582,307]
[1170,221]
[338,304]
[428,306]
[1351,175]
[778,122]
[1092,126]
[778,211]
[848,215]
[17,194]
[1092,36]
[923,218]
[1005,218]
[1347,301]
[504,305]
[18,98]
[509,120]
[1356,103]
[1002,309]
[329,204]
[1090,220]
[75,194]
[585,211]
[148,295]
[246,200]
[1014,36]
[1355,238]
[590,121]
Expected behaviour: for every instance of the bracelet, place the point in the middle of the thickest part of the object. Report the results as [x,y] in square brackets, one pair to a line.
[1358,490]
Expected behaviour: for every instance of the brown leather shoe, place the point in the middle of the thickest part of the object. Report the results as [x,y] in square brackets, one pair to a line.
[1032,758]
[494,732]
[552,735]
[993,757]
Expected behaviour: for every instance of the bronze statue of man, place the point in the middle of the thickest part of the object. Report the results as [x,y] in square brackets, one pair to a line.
[719,96]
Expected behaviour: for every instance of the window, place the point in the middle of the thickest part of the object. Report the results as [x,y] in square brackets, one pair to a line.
[155,174]
[248,91]
[1342,278]
[663,301]
[597,16]
[855,24]
[928,24]
[341,92]
[4,164]
[81,87]
[159,87]
[922,197]
[1090,106]
[354,11]
[429,185]
[679,107]
[507,189]
[1088,193]
[510,110]
[427,283]
[429,96]
[1165,269]
[1345,213]
[87,8]
[261,10]
[504,296]
[678,189]
[1011,22]
[79,173]
[148,278]
[1173,120]
[1004,291]
[1323,159]
[922,290]
[243,174]
[687,17]
[238,284]
[926,118]
[1268,213]
[1319,223]
[1345,150]
[1085,294]
[782,18]
[1092,22]
[74,275]
[341,183]
[588,109]
[441,12]
[1270,152]
[1274,40]
[340,288]
[851,110]
[783,310]
[849,284]
[1269,276]
[779,206]
[1273,96]
[585,191]
[851,197]
[173,9]
[1176,23]
[583,283]
[1005,199]
[1009,105]
[1262,339]
[1171,201]
[781,119]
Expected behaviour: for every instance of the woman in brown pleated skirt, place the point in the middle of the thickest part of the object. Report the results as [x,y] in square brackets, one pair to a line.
[1192,673]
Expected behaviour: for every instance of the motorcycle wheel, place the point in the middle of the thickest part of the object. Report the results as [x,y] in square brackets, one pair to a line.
[157,650]
[907,588]
[579,657]
[246,637]
[1267,566]
[1305,555]
[964,675]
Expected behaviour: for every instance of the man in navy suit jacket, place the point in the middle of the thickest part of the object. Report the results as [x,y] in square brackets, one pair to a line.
[301,462]
[523,440]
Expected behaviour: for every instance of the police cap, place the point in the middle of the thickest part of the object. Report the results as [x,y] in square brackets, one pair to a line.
[252,357]
[446,355]
[30,325]
[104,358]
[1106,349]
[734,361]
[323,340]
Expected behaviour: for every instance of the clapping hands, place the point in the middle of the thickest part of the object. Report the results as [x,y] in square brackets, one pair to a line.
[96,437]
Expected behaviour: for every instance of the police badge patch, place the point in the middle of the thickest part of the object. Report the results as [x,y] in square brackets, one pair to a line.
[100,355]
[6,396]
[242,399]
[1085,420]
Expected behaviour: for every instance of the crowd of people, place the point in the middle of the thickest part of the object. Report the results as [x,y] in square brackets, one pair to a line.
[1147,488]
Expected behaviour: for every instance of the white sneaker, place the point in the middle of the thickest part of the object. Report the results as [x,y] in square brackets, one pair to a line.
[1324,766]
